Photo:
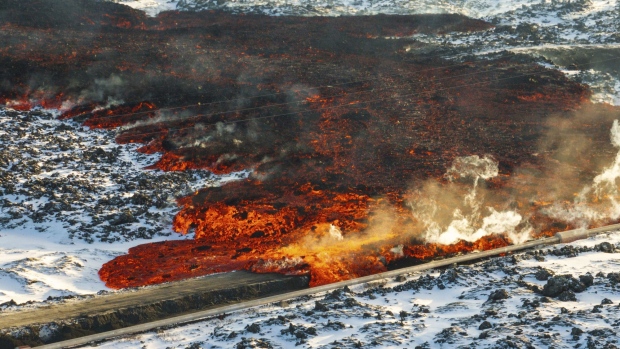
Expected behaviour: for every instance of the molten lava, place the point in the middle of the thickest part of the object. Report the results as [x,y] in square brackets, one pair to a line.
[337,124]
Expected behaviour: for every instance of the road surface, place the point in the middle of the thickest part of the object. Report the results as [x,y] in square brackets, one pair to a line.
[216,286]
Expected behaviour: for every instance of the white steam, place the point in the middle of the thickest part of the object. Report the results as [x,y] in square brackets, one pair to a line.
[597,202]
[457,212]
[398,250]
[104,89]
[335,233]
[605,184]
[472,167]
[111,102]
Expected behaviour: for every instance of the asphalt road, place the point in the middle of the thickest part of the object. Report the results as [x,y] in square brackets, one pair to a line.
[137,298]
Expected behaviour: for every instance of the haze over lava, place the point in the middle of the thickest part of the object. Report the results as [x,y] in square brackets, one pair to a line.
[360,153]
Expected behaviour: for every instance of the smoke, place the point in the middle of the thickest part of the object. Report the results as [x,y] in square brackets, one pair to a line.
[574,179]
[330,241]
[111,102]
[297,93]
[598,201]
[473,167]
[463,210]
[163,116]
[463,207]
[108,89]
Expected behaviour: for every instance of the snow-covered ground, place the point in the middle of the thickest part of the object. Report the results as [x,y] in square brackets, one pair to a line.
[565,296]
[471,8]
[70,197]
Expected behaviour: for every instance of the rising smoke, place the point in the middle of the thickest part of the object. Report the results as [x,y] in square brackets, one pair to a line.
[462,210]
[575,182]
[598,201]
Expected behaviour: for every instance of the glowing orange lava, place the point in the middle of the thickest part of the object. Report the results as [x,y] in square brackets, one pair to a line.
[338,126]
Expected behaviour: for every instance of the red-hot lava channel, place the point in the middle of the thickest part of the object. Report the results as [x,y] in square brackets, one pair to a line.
[337,123]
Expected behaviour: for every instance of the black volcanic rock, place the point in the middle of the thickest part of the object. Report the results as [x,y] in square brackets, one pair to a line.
[318,306]
[567,296]
[543,274]
[587,280]
[498,295]
[253,328]
[485,325]
[563,287]
[605,247]
[614,278]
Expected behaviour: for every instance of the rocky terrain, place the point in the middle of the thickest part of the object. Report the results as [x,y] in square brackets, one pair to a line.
[96,189]
[71,198]
[565,296]
[565,32]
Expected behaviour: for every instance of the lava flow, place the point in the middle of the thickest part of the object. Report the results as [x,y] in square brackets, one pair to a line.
[362,152]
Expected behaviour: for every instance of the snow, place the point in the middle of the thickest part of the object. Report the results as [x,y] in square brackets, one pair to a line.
[151,7]
[434,309]
[52,256]
[35,266]
[58,203]
[471,8]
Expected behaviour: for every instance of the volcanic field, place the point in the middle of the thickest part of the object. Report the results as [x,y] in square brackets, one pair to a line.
[365,150]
